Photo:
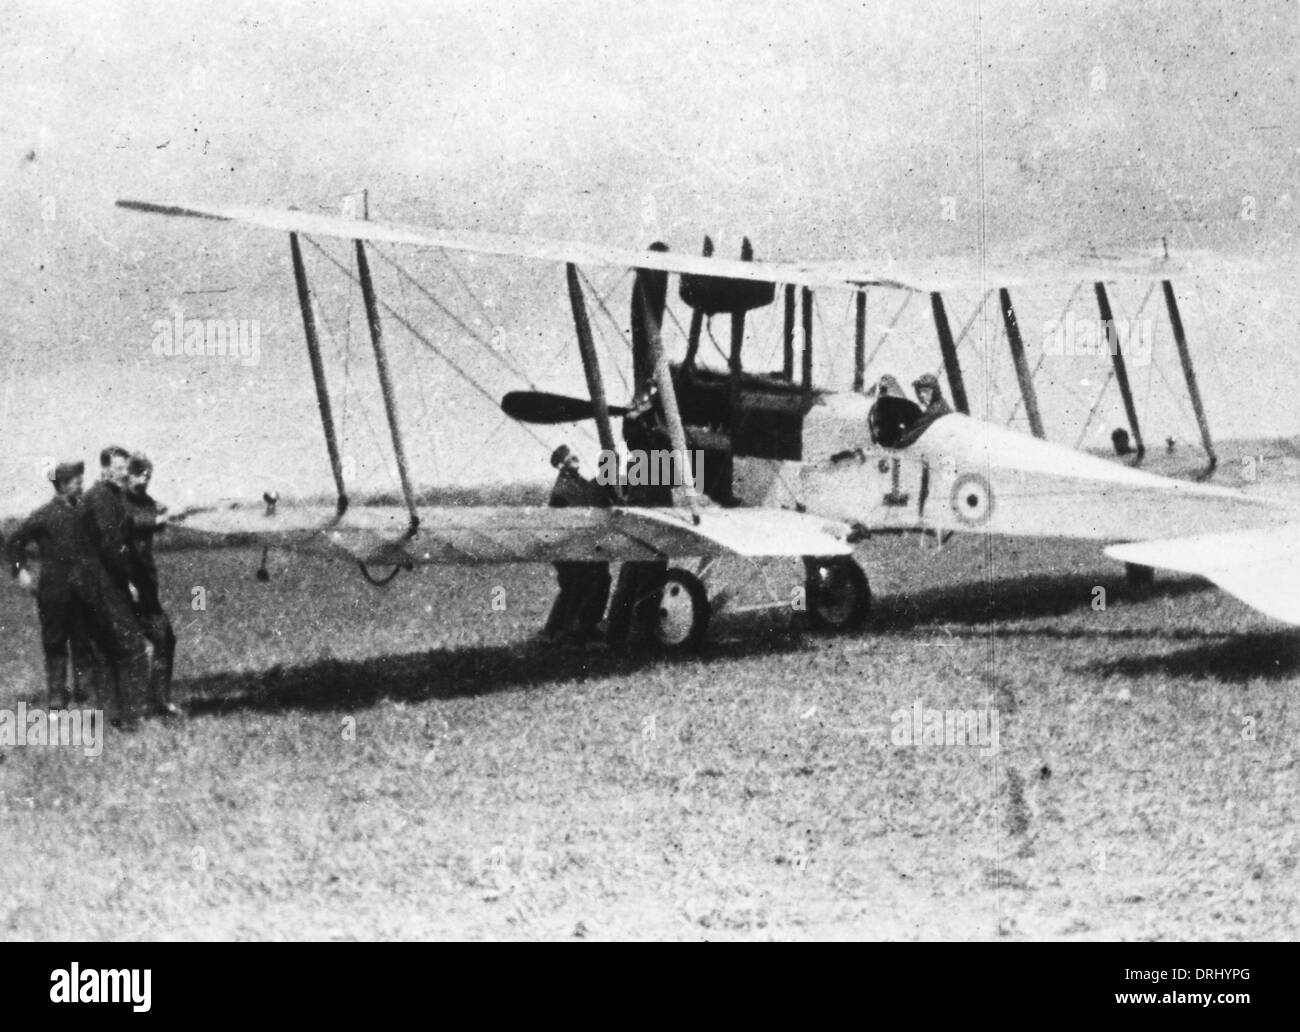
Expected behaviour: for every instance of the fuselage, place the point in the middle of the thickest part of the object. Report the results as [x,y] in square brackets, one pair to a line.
[966,474]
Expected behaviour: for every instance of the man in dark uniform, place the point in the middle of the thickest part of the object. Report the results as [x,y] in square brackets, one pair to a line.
[56,532]
[640,580]
[111,589]
[147,521]
[584,586]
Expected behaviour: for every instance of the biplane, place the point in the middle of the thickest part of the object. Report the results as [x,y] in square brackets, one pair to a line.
[792,470]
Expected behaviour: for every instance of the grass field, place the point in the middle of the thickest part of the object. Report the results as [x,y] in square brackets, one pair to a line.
[402,763]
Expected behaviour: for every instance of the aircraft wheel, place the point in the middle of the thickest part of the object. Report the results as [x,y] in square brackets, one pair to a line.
[1139,576]
[380,579]
[683,612]
[837,593]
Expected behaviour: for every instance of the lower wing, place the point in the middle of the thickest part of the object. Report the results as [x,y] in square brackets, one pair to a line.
[518,534]
[1261,567]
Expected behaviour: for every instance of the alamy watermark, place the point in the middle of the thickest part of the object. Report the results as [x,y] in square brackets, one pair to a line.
[239,340]
[923,726]
[70,728]
[1076,336]
[661,467]
[74,984]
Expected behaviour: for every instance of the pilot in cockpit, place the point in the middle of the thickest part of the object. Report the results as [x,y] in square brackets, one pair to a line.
[896,421]
[933,406]
[929,394]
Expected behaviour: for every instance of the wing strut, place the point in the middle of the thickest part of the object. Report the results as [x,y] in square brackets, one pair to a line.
[590,362]
[951,364]
[386,383]
[807,298]
[787,335]
[1193,391]
[649,294]
[860,340]
[318,371]
[693,338]
[1021,363]
[1121,371]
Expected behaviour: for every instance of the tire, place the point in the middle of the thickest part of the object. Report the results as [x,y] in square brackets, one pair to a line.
[682,613]
[378,579]
[837,593]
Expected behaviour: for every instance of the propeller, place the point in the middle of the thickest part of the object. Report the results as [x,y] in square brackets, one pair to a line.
[541,407]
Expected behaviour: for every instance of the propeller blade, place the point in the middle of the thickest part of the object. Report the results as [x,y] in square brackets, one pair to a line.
[540,407]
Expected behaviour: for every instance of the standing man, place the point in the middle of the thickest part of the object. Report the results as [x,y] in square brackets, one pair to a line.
[640,580]
[111,567]
[57,534]
[146,521]
[584,586]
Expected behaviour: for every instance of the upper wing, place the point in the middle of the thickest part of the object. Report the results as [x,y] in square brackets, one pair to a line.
[1260,567]
[936,275]
[517,534]
[810,274]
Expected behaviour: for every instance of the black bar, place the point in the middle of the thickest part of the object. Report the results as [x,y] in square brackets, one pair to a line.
[318,371]
[1099,980]
[1121,372]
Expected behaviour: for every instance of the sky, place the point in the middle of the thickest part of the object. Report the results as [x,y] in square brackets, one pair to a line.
[875,131]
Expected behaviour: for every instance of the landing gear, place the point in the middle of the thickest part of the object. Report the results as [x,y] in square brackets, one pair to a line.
[837,593]
[380,579]
[683,612]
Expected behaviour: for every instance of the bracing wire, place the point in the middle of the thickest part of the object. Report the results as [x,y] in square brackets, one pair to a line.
[410,328]
[464,326]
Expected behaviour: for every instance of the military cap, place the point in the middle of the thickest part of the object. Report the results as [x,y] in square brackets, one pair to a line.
[65,471]
[926,380]
[559,455]
[139,463]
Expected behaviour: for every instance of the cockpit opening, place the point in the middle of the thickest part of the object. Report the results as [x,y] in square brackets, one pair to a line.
[892,419]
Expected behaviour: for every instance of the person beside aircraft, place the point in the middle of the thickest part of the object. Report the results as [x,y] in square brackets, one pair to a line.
[147,520]
[56,532]
[112,594]
[584,586]
[639,579]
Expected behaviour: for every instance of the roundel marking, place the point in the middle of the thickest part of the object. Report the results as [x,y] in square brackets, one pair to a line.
[972,499]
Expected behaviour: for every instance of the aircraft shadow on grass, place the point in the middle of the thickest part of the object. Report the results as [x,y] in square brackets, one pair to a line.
[982,607]
[1022,598]
[1235,659]
[481,670]
[443,674]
